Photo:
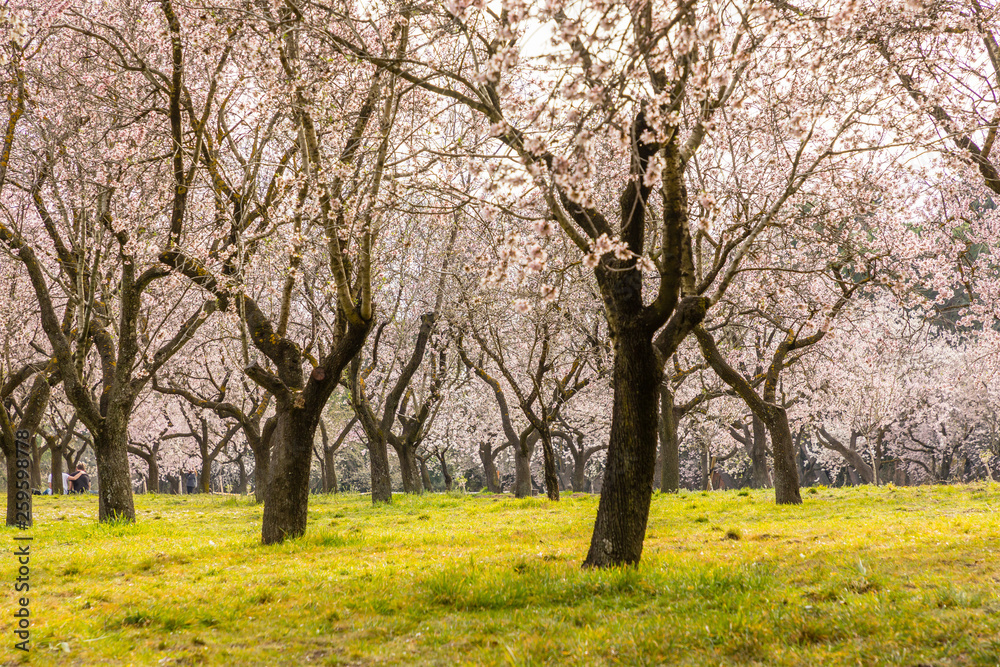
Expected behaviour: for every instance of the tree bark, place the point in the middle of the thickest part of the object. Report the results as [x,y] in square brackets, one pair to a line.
[36,463]
[670,470]
[330,472]
[486,455]
[425,475]
[241,486]
[378,455]
[56,451]
[628,479]
[786,470]
[408,467]
[153,476]
[522,470]
[549,459]
[286,501]
[760,475]
[448,481]
[115,484]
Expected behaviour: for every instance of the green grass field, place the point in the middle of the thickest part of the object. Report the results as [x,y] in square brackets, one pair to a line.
[871,576]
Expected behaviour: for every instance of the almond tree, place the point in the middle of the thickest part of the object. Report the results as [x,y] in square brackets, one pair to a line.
[641,88]
[88,174]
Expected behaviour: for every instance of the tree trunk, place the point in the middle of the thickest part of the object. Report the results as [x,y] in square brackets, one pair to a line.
[330,476]
[115,479]
[622,513]
[853,458]
[489,468]
[670,470]
[241,486]
[378,455]
[407,455]
[425,475]
[205,475]
[760,475]
[706,482]
[262,466]
[448,481]
[549,458]
[522,471]
[153,479]
[286,501]
[57,467]
[786,472]
[36,464]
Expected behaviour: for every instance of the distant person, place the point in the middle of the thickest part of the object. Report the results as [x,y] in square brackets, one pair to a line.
[80,480]
[192,482]
[66,483]
[48,491]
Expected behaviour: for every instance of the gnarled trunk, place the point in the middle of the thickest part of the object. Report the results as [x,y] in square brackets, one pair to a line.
[286,501]
[628,477]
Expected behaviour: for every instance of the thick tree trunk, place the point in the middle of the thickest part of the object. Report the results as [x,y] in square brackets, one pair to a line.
[786,472]
[408,467]
[489,468]
[115,478]
[378,454]
[760,475]
[286,501]
[522,471]
[551,476]
[670,464]
[628,477]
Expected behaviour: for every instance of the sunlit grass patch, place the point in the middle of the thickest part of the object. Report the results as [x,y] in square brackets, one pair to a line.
[907,575]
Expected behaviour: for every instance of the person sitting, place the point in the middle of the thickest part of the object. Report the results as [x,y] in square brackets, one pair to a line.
[80,480]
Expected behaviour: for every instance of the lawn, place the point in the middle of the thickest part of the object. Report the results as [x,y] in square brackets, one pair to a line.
[869,576]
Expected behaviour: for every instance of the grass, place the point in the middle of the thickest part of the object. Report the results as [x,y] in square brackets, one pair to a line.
[871,576]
